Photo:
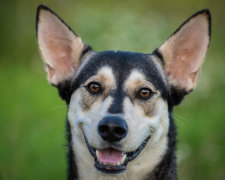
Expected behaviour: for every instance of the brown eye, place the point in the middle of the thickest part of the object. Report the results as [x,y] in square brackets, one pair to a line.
[94,87]
[144,93]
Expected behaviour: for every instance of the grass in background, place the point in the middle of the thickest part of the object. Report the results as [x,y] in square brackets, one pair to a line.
[32,124]
[32,116]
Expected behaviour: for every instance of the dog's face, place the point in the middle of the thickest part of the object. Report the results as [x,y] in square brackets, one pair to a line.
[118,101]
[120,104]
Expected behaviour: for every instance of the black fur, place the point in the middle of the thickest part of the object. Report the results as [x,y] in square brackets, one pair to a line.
[72,167]
[158,54]
[118,96]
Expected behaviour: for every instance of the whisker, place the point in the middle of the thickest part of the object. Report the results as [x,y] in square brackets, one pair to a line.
[181,117]
[181,120]
[125,176]
[61,136]
[57,107]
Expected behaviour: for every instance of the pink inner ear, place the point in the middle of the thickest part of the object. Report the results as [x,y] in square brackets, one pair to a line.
[59,46]
[59,50]
[187,57]
[184,53]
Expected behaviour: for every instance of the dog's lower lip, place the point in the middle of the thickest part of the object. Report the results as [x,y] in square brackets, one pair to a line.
[112,168]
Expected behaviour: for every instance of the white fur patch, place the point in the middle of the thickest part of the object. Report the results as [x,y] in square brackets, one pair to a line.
[140,127]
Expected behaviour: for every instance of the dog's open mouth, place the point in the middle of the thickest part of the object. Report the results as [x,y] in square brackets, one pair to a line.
[113,161]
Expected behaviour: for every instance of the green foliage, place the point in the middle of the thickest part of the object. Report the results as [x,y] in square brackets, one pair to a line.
[32,117]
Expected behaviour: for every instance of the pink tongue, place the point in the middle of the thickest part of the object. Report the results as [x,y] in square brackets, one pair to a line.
[110,155]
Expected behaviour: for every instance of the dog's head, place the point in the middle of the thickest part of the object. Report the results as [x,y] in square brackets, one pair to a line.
[119,101]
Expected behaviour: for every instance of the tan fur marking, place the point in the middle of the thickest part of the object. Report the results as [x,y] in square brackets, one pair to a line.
[106,79]
[135,81]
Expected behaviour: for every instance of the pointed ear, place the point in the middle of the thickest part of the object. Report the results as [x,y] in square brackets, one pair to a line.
[184,52]
[60,47]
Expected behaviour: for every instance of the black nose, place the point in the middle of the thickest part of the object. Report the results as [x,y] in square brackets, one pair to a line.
[112,128]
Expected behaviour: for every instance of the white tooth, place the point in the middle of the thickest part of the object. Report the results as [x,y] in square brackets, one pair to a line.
[118,163]
[123,159]
[97,154]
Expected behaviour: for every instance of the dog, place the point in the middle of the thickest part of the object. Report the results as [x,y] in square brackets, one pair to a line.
[120,104]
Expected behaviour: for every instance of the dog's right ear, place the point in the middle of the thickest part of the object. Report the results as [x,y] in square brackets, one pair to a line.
[184,52]
[60,47]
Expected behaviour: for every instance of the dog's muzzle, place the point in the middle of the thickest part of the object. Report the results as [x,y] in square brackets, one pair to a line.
[110,160]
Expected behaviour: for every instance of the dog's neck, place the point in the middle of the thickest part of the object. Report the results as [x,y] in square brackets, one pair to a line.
[160,161]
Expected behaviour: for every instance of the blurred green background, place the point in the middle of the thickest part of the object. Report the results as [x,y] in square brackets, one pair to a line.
[32,116]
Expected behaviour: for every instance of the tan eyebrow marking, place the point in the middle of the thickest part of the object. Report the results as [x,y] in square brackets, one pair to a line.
[137,79]
[106,79]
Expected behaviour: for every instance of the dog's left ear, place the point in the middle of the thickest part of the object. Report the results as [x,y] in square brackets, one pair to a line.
[60,47]
[184,52]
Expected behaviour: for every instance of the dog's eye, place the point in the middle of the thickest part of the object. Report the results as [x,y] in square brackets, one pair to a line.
[94,87]
[144,93]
